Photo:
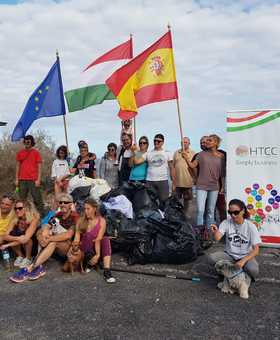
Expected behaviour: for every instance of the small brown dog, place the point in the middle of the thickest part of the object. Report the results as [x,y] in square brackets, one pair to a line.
[75,259]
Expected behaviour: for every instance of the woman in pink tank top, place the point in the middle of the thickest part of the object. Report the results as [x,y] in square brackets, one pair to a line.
[90,232]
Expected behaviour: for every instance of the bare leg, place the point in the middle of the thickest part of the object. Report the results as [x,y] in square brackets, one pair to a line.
[63,247]
[45,254]
[107,262]
[28,249]
[18,251]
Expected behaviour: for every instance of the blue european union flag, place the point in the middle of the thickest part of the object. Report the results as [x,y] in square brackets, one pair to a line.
[46,101]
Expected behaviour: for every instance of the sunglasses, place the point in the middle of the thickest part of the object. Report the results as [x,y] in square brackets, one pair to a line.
[234,212]
[18,208]
[111,149]
[158,140]
[64,202]
[143,143]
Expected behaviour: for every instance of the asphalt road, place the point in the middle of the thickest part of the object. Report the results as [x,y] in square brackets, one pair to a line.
[61,306]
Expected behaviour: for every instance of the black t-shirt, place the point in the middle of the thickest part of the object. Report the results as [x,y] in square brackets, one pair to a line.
[86,168]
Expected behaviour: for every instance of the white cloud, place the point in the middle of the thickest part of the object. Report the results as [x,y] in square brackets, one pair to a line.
[226,53]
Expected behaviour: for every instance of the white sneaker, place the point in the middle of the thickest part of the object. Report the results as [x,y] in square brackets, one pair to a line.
[25,263]
[18,261]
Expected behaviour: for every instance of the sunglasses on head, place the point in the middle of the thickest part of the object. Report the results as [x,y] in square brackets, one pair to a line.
[234,212]
[64,202]
[18,208]
[158,140]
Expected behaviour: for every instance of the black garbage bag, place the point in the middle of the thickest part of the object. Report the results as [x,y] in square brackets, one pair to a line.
[123,229]
[174,210]
[81,193]
[137,193]
[143,198]
[141,253]
[180,248]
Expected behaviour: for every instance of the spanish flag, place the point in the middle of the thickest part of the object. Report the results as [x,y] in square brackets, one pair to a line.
[148,78]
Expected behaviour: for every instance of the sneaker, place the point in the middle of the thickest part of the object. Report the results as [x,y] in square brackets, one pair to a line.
[18,261]
[37,273]
[25,263]
[108,277]
[20,276]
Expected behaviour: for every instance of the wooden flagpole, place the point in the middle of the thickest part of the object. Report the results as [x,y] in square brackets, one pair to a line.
[177,99]
[64,118]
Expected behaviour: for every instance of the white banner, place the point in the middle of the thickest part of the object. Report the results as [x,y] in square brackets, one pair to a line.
[253,168]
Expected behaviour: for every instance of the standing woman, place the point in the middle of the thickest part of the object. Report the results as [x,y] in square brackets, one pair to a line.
[139,171]
[90,232]
[211,165]
[20,232]
[85,164]
[109,166]
[60,170]
[242,239]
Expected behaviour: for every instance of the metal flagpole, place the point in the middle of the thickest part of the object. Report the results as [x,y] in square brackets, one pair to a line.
[134,130]
[177,99]
[64,118]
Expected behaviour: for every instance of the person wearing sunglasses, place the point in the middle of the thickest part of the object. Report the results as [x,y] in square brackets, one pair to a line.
[50,242]
[242,239]
[20,232]
[108,168]
[28,173]
[184,175]
[160,165]
[138,172]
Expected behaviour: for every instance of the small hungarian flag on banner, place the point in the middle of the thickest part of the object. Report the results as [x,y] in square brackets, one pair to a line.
[91,89]
[148,78]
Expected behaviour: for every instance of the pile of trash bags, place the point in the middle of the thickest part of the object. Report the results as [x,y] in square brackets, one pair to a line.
[137,226]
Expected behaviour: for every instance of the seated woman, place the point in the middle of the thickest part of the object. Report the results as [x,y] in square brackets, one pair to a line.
[20,232]
[242,239]
[90,232]
[139,171]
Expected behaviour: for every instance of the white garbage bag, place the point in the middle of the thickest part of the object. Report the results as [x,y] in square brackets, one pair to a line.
[120,203]
[78,181]
[99,187]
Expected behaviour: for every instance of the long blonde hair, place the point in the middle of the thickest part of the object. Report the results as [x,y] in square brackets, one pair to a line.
[83,222]
[30,211]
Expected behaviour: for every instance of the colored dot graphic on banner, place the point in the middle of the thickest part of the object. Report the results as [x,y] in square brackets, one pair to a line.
[261,201]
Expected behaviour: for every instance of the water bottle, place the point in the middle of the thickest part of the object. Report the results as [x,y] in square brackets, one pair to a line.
[6,260]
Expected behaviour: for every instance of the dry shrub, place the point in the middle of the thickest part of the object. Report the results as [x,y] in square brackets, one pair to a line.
[44,144]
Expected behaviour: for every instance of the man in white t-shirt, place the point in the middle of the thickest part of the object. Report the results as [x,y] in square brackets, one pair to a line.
[160,164]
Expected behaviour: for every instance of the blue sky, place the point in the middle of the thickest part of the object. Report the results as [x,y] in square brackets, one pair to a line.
[226,54]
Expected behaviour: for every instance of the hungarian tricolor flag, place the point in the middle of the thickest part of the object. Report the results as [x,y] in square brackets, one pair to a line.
[91,88]
[148,78]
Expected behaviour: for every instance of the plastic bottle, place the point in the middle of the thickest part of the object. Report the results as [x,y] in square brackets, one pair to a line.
[6,260]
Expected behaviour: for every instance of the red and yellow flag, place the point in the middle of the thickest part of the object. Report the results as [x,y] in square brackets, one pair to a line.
[148,78]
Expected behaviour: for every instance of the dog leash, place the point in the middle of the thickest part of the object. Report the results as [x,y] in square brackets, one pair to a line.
[236,274]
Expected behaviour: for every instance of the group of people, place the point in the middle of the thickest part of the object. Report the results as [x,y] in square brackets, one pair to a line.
[21,226]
